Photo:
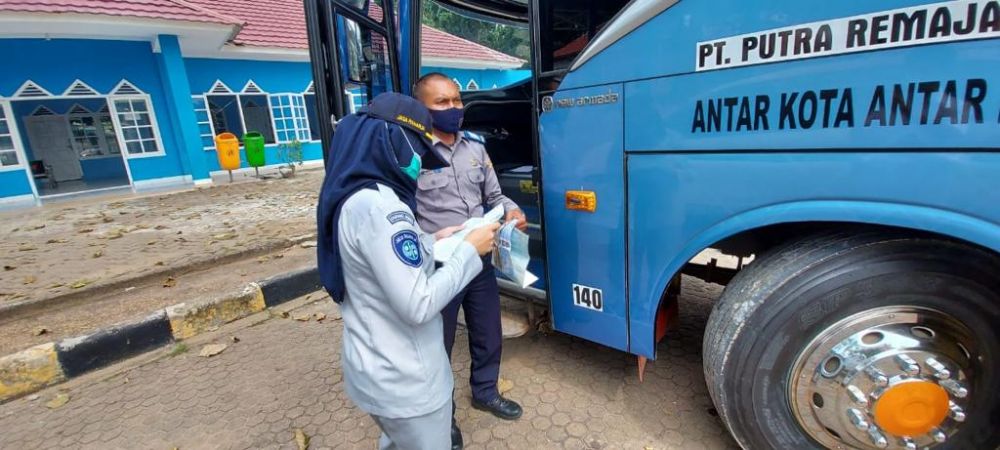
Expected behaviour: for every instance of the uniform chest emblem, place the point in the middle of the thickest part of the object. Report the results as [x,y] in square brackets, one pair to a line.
[407,248]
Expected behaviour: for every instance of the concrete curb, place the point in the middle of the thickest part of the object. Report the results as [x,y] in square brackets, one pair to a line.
[188,320]
[47,364]
[290,285]
[10,310]
[29,370]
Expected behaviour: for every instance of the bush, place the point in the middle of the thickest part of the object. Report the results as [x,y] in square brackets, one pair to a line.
[290,154]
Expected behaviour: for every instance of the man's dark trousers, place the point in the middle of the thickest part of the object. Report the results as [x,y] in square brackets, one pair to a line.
[481,302]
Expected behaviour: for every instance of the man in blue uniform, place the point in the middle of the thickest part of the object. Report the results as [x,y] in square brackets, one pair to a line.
[376,262]
[450,196]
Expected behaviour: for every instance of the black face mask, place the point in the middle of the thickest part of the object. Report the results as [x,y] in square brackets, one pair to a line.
[448,120]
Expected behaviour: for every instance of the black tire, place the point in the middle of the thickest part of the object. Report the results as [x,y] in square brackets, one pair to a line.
[776,306]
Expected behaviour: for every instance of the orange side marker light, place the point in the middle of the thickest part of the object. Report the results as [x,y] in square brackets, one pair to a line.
[585,201]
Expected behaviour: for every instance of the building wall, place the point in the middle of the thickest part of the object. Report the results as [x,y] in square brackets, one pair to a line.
[485,78]
[270,76]
[109,168]
[55,64]
[14,183]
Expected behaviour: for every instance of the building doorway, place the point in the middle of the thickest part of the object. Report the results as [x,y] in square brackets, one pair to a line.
[71,145]
[48,137]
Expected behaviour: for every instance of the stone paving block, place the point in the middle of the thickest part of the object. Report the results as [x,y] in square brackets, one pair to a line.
[283,374]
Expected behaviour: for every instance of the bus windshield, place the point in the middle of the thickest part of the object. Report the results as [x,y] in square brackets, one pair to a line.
[567,26]
[475,50]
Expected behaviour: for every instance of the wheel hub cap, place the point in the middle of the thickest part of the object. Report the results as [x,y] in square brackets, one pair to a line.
[892,377]
[911,408]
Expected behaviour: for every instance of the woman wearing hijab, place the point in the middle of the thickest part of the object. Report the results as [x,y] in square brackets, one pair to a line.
[377,264]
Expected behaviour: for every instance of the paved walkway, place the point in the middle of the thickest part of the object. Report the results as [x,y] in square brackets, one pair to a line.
[69,319]
[282,375]
[69,247]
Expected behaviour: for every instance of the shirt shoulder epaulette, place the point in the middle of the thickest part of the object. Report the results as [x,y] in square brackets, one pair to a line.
[474,137]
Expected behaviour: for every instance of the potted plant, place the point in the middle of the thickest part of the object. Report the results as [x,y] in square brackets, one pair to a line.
[290,154]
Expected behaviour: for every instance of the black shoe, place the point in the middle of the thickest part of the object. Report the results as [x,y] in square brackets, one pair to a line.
[500,407]
[456,437]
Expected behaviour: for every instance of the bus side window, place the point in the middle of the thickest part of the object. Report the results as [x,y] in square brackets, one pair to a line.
[365,66]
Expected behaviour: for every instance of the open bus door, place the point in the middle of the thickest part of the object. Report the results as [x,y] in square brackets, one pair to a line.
[580,255]
[505,116]
[355,55]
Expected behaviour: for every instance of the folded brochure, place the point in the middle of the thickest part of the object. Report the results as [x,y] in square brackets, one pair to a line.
[512,257]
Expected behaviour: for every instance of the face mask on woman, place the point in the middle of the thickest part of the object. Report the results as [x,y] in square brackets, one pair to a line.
[407,157]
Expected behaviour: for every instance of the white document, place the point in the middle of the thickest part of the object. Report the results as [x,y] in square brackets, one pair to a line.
[444,248]
[511,257]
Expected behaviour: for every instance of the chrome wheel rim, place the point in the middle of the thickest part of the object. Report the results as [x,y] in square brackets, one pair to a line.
[883,378]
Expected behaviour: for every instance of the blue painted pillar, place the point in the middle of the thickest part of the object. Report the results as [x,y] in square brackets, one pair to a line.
[185,124]
[405,58]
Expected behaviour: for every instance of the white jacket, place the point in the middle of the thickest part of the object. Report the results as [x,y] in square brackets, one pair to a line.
[394,360]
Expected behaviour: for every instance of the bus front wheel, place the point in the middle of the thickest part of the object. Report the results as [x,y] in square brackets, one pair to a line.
[865,340]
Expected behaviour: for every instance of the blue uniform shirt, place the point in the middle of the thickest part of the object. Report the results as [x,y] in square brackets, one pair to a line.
[452,195]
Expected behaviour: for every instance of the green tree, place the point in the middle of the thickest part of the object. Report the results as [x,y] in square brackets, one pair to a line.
[507,39]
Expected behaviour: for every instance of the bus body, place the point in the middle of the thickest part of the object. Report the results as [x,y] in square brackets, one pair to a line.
[851,148]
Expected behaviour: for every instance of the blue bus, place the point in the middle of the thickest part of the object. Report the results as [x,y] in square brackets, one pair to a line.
[845,154]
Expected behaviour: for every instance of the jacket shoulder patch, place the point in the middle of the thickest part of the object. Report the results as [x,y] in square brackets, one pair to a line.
[400,216]
[407,248]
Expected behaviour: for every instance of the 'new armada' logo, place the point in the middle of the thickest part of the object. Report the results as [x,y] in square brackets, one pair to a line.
[548,103]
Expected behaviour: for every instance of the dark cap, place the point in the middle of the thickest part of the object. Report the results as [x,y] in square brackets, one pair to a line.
[414,118]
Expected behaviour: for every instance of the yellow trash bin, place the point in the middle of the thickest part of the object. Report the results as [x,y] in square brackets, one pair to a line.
[227,147]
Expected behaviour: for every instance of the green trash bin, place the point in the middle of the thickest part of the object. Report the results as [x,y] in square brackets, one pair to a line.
[253,143]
